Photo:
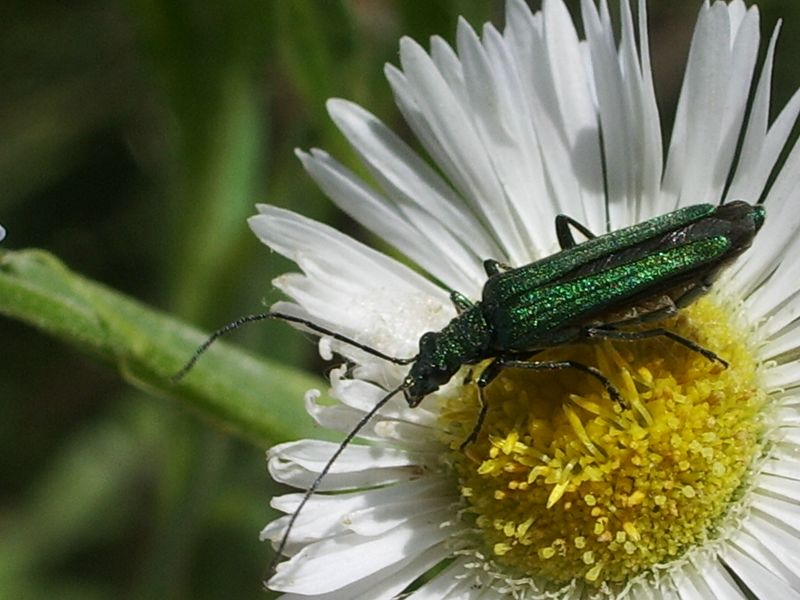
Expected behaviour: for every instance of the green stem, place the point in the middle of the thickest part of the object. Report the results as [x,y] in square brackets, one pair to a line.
[258,399]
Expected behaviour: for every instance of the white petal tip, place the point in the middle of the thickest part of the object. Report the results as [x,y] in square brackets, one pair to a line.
[335,105]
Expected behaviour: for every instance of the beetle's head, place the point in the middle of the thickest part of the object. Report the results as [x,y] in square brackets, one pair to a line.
[430,370]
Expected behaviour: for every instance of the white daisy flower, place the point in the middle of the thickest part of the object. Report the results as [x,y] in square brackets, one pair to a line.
[689,488]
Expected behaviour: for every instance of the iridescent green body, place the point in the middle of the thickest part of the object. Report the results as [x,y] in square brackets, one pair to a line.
[642,272]
[545,316]
[603,250]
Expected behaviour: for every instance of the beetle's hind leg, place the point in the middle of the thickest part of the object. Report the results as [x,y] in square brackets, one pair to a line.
[565,238]
[616,334]
[565,241]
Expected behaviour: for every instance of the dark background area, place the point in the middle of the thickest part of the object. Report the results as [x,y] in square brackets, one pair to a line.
[135,138]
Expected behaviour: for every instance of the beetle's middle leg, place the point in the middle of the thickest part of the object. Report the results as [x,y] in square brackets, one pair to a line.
[516,361]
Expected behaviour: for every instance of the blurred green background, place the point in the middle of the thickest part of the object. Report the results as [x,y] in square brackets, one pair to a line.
[135,138]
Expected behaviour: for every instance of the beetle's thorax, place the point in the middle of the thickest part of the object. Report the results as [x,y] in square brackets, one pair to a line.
[442,353]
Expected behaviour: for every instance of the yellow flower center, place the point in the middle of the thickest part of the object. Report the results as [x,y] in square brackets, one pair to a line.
[565,483]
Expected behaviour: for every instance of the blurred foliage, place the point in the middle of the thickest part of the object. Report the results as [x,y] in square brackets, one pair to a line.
[136,137]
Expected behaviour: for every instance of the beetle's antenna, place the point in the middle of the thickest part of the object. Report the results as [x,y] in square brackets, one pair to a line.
[234,325]
[315,484]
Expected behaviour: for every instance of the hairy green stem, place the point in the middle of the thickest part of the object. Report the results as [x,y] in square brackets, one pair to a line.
[258,399]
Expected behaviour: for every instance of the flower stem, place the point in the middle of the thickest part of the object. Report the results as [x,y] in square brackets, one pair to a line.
[255,398]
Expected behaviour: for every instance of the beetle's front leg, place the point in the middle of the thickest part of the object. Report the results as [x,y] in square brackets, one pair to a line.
[486,377]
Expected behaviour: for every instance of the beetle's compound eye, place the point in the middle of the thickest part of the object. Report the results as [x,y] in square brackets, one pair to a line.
[412,399]
[413,396]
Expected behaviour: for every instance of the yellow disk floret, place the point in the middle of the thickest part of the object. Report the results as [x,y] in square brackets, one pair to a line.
[565,483]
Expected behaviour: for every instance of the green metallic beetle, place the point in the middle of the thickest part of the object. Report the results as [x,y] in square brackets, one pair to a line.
[588,290]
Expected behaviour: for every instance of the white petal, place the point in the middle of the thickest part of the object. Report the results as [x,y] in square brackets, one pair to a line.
[761,581]
[344,416]
[652,169]
[779,231]
[351,288]
[790,437]
[496,101]
[439,254]
[448,64]
[566,145]
[617,117]
[576,115]
[414,187]
[386,583]
[716,578]
[711,106]
[783,468]
[762,145]
[784,341]
[465,159]
[314,454]
[340,417]
[298,477]
[363,396]
[789,489]
[644,591]
[328,565]
[689,585]
[321,248]
[783,376]
[772,300]
[772,546]
[298,463]
[787,414]
[326,515]
[409,435]
[377,520]
[443,584]
[782,511]
[737,11]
